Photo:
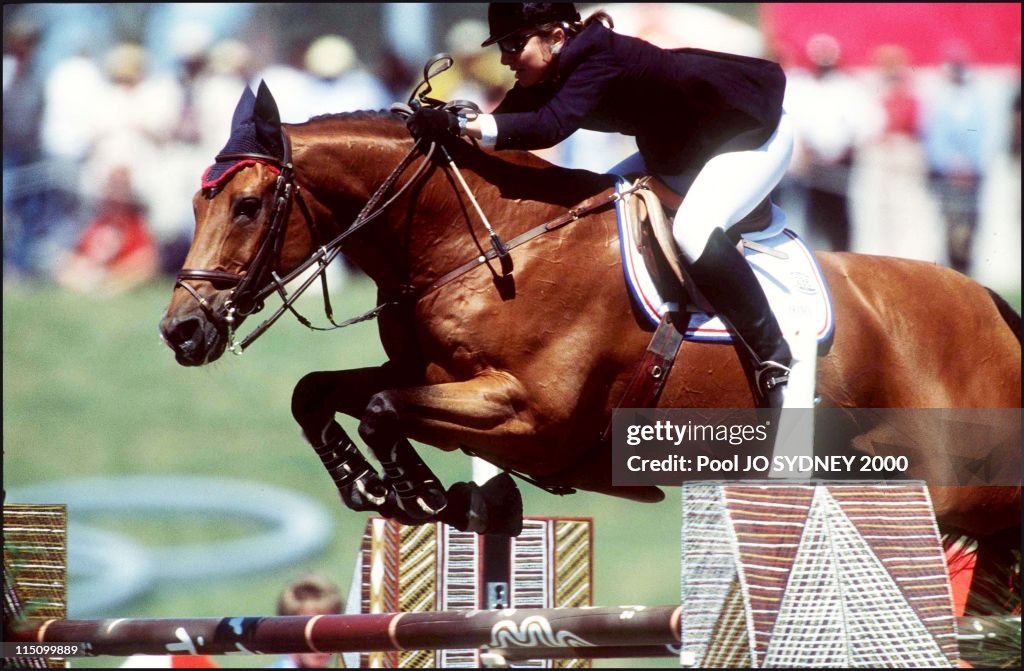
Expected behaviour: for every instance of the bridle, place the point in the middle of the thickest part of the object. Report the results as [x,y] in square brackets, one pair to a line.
[260,278]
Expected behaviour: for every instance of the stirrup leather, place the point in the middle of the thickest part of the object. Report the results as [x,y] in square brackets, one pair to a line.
[770,374]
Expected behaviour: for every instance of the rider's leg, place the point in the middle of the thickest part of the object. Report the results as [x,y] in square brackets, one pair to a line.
[726,189]
[631,165]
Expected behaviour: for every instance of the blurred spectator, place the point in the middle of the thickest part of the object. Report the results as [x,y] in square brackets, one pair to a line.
[1015,126]
[330,80]
[955,131]
[229,68]
[166,26]
[395,75]
[191,44]
[892,197]
[181,154]
[23,207]
[477,74]
[125,174]
[287,81]
[338,81]
[115,251]
[39,198]
[900,102]
[22,99]
[72,95]
[834,115]
[310,594]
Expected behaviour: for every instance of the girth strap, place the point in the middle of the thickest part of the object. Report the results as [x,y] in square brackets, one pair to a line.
[643,391]
[651,373]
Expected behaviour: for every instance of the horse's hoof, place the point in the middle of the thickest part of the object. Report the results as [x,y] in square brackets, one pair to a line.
[494,508]
[504,505]
[466,510]
[409,515]
[432,501]
[367,493]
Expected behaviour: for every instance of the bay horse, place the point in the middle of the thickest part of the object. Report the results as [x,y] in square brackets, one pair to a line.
[520,358]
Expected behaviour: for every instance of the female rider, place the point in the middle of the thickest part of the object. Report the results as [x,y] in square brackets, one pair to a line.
[709,124]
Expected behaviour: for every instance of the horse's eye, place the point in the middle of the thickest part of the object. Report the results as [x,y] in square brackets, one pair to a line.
[247,208]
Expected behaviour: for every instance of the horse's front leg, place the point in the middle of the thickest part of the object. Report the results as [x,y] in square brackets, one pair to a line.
[486,409]
[315,400]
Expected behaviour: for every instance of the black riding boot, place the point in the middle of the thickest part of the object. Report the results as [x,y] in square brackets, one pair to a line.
[723,276]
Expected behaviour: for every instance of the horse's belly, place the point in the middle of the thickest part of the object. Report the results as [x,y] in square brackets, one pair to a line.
[977,511]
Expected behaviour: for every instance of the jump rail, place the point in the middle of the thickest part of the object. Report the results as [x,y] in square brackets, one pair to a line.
[519,634]
[503,629]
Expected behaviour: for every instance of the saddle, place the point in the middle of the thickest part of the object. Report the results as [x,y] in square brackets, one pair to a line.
[649,215]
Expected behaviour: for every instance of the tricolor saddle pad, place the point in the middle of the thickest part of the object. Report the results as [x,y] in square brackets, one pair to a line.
[781,261]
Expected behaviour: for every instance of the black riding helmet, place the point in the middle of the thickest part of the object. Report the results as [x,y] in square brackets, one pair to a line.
[508,18]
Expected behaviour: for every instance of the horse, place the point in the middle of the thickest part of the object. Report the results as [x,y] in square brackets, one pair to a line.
[518,354]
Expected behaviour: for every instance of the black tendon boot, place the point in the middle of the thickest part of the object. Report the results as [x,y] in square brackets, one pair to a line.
[357,481]
[723,276]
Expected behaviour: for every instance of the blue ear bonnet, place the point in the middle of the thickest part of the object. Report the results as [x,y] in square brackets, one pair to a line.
[255,129]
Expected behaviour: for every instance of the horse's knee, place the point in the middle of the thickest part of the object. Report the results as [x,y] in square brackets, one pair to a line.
[308,399]
[380,420]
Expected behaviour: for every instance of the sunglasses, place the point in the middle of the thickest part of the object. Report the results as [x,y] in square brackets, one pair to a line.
[516,43]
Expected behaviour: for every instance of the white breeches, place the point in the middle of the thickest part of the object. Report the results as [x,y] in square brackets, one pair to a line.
[724,190]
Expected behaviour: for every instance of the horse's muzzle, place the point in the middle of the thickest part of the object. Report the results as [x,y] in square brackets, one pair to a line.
[194,338]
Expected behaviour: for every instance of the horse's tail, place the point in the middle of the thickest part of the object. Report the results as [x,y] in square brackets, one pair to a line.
[1007,312]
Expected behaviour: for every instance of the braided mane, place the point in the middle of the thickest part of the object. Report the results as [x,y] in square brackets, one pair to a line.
[374,121]
[355,115]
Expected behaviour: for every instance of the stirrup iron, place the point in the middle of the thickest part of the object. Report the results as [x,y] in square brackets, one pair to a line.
[769,375]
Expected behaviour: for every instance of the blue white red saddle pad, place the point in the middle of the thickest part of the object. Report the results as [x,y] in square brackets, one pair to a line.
[794,285]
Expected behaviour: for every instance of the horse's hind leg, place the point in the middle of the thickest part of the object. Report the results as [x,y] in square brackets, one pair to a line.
[482,413]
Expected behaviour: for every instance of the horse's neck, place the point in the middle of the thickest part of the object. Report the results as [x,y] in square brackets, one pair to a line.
[417,241]
[342,163]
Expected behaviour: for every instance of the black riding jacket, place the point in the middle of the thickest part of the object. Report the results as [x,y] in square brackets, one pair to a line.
[683,106]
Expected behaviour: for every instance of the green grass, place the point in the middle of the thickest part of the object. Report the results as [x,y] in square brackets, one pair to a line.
[89,390]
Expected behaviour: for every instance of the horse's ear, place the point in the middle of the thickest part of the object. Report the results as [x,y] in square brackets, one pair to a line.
[244,109]
[268,121]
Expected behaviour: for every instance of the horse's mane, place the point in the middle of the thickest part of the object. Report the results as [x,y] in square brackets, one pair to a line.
[521,169]
[375,120]
[356,115]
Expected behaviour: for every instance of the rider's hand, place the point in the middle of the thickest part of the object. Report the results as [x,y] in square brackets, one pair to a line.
[433,124]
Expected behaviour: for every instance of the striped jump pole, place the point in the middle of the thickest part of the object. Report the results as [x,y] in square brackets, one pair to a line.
[502,629]
[517,634]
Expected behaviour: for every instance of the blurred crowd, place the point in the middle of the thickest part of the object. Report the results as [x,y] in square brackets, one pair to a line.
[883,152]
[103,152]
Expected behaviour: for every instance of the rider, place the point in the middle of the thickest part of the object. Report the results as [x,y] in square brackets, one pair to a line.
[709,124]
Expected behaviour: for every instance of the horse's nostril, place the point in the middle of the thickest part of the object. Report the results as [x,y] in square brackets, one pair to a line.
[182,334]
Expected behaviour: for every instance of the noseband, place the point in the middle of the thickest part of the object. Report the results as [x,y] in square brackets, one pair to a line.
[260,278]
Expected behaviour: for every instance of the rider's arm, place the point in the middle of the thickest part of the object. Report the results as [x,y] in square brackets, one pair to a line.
[483,128]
